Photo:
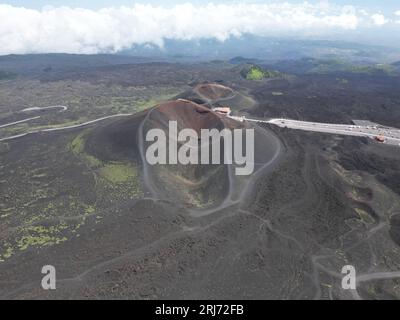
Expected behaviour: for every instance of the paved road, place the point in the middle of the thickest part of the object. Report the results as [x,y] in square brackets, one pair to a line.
[67,127]
[64,108]
[391,135]
[369,129]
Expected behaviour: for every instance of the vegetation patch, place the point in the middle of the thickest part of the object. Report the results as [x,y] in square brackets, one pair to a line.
[114,180]
[77,146]
[364,216]
[256,73]
[39,241]
[118,172]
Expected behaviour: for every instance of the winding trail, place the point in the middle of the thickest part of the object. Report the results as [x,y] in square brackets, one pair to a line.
[231,198]
[67,127]
[210,102]
[64,108]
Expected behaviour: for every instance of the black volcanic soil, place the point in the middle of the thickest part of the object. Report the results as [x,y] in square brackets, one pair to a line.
[379,160]
[395,228]
[323,202]
[154,248]
[116,140]
[324,98]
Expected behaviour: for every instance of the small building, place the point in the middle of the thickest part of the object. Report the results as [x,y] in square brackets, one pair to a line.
[225,111]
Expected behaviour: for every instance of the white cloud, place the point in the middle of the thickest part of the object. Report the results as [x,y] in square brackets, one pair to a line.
[379,19]
[397,13]
[70,30]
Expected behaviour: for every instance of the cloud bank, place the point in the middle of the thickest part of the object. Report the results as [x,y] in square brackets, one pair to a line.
[75,30]
[379,19]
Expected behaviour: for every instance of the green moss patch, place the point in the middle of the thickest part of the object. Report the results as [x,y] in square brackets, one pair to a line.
[364,216]
[77,146]
[118,172]
[256,73]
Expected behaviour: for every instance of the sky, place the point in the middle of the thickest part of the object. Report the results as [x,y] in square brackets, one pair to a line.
[104,26]
[383,5]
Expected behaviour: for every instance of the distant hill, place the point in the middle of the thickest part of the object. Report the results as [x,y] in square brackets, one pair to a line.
[242,60]
[253,49]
